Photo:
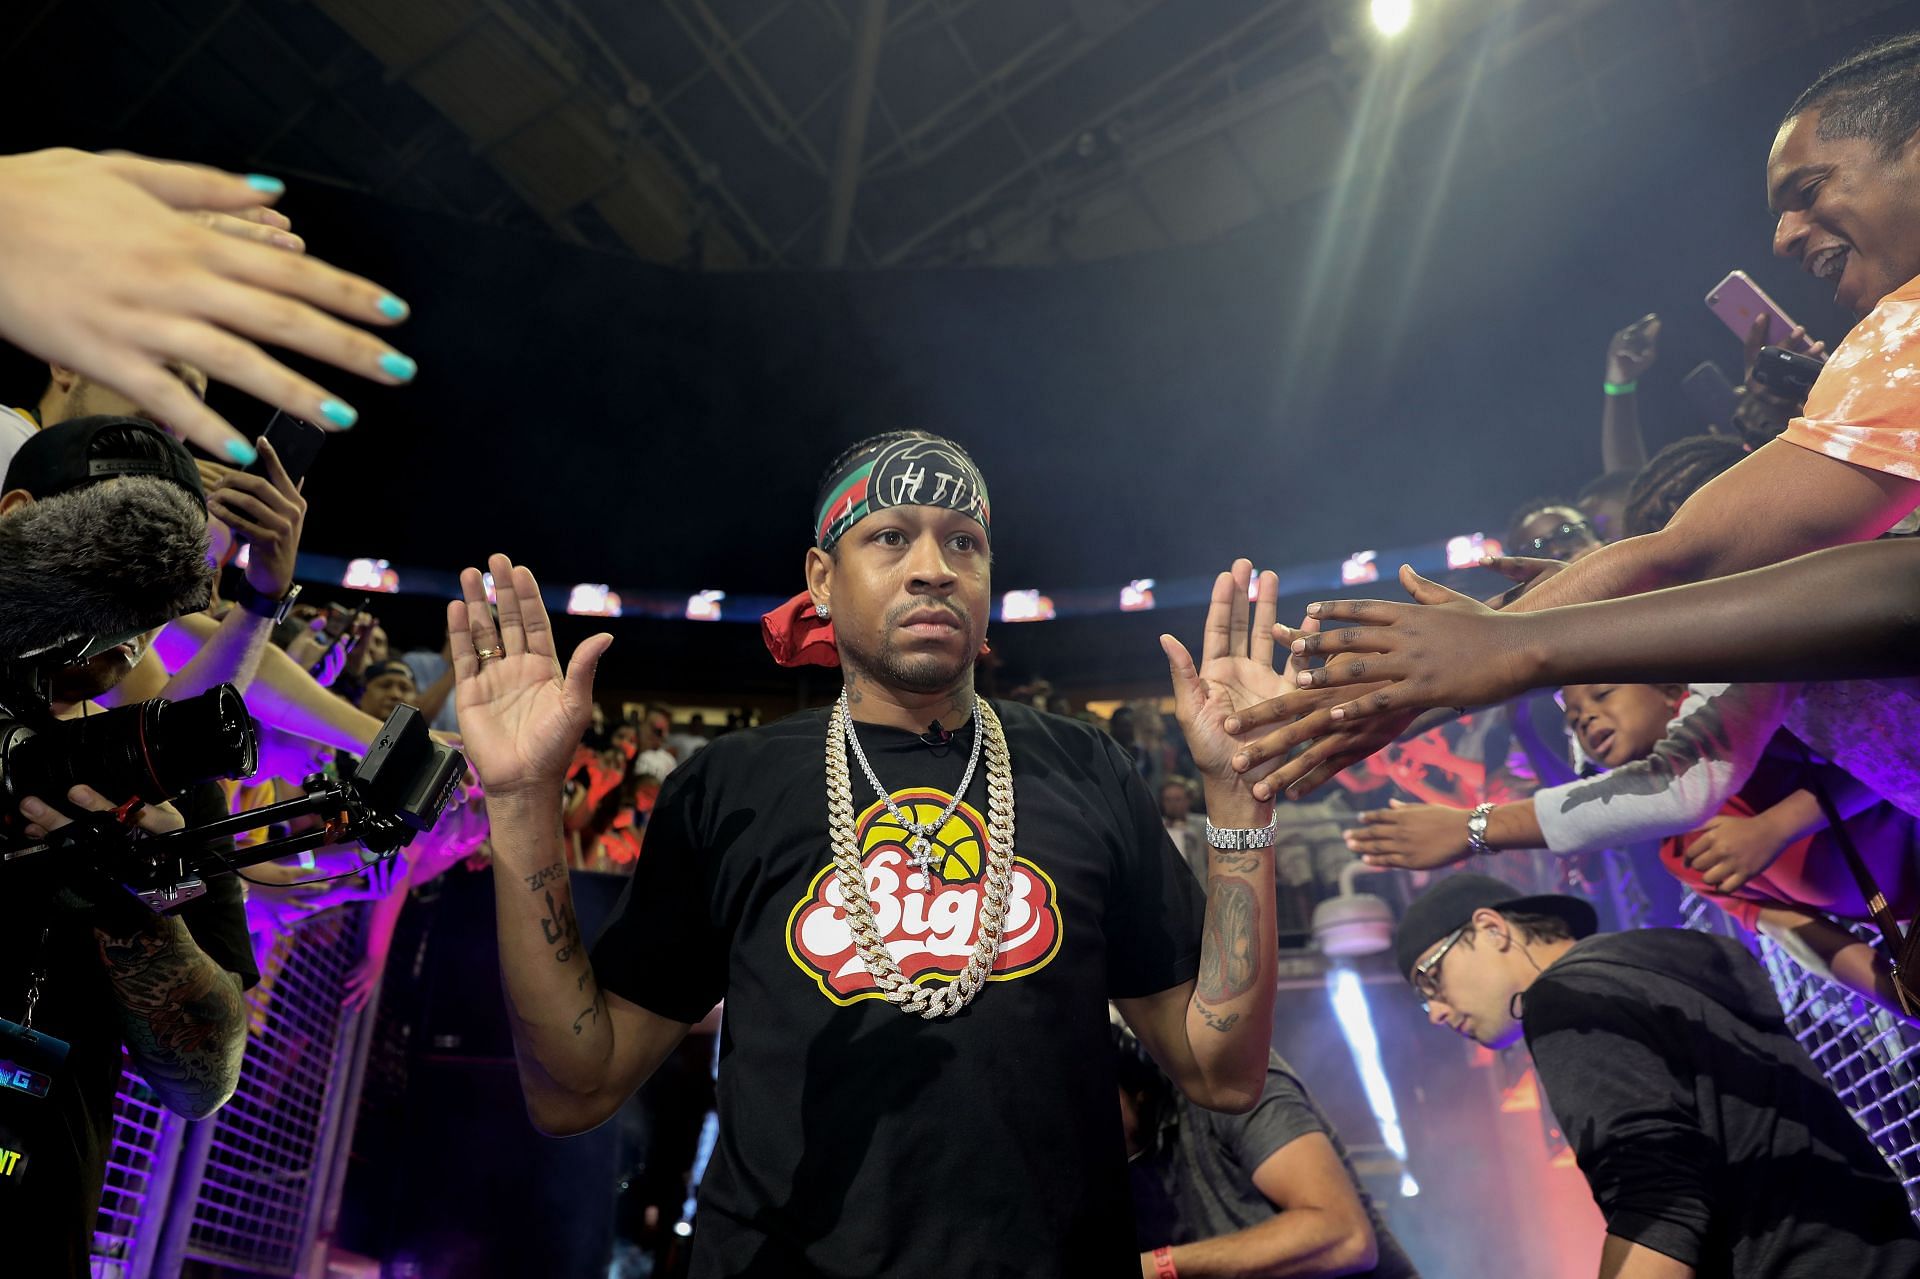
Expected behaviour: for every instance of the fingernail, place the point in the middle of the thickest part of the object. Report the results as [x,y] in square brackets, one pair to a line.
[33,808]
[392,307]
[396,365]
[1232,726]
[291,243]
[1299,646]
[1239,763]
[266,185]
[1313,610]
[338,412]
[242,452]
[1337,714]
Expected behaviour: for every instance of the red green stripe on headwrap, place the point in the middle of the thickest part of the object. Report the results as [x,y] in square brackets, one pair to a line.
[899,470]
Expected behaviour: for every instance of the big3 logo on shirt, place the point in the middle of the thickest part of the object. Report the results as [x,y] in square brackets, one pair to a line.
[929,928]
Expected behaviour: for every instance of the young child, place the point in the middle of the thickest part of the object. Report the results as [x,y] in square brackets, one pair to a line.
[1734,809]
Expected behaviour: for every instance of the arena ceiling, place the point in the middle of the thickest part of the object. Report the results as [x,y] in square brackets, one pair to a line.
[766,134]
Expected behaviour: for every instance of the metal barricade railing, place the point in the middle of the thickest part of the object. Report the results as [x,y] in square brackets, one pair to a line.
[1871,1059]
[248,1187]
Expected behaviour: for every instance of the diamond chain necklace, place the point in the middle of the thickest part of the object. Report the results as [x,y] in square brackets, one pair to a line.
[919,845]
[850,872]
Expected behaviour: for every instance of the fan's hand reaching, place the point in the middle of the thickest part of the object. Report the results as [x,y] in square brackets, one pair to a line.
[521,716]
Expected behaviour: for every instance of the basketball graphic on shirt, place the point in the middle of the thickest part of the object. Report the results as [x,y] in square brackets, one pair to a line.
[930,922]
[958,849]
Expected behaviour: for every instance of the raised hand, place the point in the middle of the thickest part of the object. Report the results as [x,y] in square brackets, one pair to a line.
[1632,351]
[107,267]
[1411,837]
[1444,650]
[521,716]
[1235,669]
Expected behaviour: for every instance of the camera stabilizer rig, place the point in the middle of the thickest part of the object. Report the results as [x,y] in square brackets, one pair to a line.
[397,791]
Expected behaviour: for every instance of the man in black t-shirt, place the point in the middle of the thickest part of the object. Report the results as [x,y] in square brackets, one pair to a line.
[1268,1192]
[831,872]
[168,989]
[1711,1142]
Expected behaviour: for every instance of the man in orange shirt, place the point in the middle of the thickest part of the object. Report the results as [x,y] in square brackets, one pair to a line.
[1843,181]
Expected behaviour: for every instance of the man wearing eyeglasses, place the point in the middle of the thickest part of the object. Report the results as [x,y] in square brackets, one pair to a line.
[1552,530]
[1711,1142]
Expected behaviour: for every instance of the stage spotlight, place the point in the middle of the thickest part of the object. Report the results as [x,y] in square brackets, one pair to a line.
[1391,17]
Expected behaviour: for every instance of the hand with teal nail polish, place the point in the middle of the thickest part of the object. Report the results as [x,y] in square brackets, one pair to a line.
[110,261]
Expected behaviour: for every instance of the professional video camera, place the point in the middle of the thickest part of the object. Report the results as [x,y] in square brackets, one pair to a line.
[153,751]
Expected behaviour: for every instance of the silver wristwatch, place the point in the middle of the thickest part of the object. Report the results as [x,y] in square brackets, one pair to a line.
[1241,839]
[1477,828]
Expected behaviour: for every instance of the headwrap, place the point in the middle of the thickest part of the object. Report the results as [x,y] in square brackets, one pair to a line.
[888,471]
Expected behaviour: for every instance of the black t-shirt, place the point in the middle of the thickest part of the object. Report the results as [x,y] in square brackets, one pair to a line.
[858,1140]
[1198,1183]
[47,1204]
[1704,1129]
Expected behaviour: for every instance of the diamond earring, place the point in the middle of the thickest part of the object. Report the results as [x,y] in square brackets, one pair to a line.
[821,610]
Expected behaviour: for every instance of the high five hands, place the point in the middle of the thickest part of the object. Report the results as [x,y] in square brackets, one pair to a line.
[1235,672]
[1396,660]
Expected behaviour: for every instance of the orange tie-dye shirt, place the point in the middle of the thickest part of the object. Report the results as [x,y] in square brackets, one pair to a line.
[1865,406]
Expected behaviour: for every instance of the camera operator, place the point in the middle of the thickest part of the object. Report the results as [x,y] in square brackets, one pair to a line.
[168,989]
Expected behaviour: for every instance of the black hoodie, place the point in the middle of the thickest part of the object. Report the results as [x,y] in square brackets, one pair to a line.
[1704,1129]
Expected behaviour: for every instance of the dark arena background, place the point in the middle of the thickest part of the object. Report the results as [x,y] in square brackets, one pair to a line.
[1329,284]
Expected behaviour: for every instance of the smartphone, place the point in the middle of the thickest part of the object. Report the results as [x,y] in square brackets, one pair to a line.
[1710,393]
[296,441]
[1738,301]
[339,626]
[1787,374]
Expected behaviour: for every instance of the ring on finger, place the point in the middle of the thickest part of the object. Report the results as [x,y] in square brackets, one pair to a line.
[484,653]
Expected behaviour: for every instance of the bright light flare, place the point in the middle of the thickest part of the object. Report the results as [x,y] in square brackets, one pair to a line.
[1356,1025]
[1391,17]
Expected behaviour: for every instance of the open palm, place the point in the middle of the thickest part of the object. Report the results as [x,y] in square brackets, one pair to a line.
[521,716]
[1235,669]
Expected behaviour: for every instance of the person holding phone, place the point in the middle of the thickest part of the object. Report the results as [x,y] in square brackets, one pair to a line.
[268,512]
[1844,164]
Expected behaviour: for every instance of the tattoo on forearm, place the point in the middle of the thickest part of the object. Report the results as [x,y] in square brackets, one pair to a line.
[1229,949]
[541,878]
[1216,1021]
[560,928]
[1227,860]
[592,1010]
[182,1015]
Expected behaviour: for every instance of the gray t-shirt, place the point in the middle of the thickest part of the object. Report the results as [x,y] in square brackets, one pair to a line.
[1200,1183]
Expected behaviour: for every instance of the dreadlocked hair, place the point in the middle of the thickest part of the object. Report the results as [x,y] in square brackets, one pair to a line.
[1672,476]
[1875,94]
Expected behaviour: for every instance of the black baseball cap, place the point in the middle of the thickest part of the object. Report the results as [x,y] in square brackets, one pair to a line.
[64,457]
[1451,903]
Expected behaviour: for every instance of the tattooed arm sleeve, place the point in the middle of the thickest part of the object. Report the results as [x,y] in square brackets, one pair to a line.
[181,1014]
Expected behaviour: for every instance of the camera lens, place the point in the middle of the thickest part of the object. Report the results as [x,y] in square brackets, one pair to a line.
[154,750]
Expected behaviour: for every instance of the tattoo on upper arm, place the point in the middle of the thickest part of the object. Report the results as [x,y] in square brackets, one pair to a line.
[182,1015]
[1229,947]
[560,928]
